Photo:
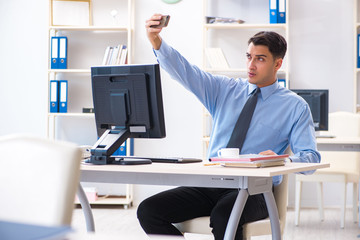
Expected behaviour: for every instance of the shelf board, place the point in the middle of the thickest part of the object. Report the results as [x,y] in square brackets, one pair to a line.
[69,70]
[206,139]
[241,26]
[90,28]
[110,200]
[70,114]
[233,70]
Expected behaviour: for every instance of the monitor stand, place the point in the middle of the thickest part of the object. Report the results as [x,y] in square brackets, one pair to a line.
[101,152]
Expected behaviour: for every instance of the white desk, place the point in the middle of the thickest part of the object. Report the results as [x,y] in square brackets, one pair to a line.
[248,181]
[338,144]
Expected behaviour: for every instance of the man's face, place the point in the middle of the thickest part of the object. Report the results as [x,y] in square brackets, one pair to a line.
[261,65]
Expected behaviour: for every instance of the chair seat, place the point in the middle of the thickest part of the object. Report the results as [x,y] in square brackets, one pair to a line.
[199,225]
[261,227]
[334,171]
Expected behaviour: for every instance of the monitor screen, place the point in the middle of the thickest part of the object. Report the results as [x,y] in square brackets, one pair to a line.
[318,100]
[127,104]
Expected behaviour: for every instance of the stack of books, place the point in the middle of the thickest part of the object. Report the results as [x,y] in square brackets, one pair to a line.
[216,58]
[115,55]
[212,20]
[251,160]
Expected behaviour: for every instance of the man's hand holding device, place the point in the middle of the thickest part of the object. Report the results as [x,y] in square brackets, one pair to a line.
[163,22]
[154,25]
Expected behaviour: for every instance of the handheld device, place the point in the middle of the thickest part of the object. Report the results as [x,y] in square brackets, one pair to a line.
[163,22]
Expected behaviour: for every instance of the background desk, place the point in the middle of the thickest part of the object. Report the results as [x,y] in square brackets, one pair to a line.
[338,144]
[249,181]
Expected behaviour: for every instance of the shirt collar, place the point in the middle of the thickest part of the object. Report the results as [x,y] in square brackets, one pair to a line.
[265,91]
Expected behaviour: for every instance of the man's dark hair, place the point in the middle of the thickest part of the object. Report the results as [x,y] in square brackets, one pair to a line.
[275,42]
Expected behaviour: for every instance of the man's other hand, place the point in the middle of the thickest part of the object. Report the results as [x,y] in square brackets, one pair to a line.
[153,34]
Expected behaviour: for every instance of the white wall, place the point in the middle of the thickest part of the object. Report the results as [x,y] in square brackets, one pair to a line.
[23,66]
[320,51]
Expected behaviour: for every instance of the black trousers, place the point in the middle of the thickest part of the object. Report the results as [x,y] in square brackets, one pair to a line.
[157,213]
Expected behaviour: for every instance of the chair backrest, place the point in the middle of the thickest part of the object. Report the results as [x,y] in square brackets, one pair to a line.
[38,180]
[343,124]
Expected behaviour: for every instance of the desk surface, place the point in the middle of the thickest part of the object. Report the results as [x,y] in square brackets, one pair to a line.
[189,174]
[200,169]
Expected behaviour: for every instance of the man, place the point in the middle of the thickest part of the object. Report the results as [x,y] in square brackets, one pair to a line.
[281,118]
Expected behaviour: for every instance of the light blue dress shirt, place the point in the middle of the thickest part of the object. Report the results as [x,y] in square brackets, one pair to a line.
[281,118]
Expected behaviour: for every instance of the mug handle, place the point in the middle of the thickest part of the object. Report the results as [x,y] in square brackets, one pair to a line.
[219,153]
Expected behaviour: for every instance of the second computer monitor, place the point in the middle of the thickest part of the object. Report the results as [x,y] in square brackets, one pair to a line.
[318,100]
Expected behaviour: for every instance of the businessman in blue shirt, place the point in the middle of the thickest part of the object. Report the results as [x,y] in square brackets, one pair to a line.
[281,118]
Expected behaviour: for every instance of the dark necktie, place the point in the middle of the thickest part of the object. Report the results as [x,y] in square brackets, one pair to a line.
[242,125]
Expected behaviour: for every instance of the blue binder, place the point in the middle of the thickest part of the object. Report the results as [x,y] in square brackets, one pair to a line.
[62,63]
[63,96]
[54,96]
[273,9]
[281,11]
[121,151]
[54,52]
[282,82]
[358,51]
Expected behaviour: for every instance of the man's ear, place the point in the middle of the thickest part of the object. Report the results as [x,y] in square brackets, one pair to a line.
[278,63]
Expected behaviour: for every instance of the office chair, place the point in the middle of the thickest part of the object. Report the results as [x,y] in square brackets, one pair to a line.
[257,228]
[38,180]
[344,166]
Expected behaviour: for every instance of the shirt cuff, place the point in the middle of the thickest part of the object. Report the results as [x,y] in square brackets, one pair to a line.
[163,50]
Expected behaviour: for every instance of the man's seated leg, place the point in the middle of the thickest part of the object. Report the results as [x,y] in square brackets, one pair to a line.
[157,213]
[255,209]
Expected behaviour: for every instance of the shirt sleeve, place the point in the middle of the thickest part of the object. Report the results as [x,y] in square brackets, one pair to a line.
[303,141]
[200,83]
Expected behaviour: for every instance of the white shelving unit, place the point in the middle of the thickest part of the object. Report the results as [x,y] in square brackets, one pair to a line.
[356,53]
[81,56]
[126,201]
[223,35]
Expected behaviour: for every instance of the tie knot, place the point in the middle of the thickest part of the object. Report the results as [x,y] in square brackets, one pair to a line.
[256,91]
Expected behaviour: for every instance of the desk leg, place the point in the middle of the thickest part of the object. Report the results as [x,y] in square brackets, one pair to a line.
[85,205]
[273,215]
[236,214]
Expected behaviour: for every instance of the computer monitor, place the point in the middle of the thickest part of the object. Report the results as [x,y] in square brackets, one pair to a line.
[318,100]
[127,104]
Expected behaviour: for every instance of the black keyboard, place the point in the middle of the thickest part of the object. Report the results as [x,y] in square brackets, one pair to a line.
[164,159]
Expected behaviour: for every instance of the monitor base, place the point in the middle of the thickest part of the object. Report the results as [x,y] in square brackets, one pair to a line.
[122,161]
